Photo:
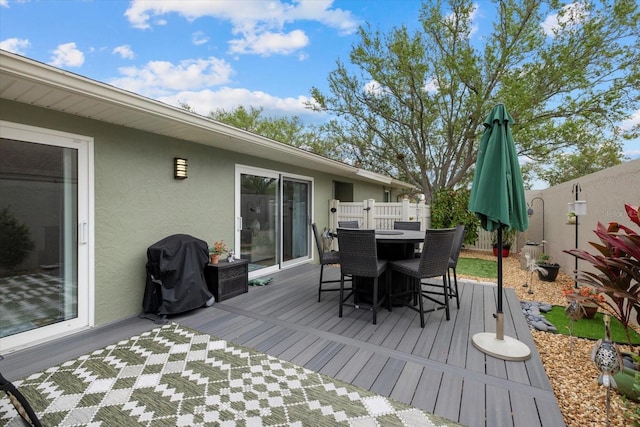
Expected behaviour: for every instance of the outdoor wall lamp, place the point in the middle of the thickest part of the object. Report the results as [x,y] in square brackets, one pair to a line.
[179,168]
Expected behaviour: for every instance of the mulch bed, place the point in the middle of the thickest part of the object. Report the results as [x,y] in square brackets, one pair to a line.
[573,376]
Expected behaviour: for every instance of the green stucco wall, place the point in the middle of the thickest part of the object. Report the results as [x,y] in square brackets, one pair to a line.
[138,202]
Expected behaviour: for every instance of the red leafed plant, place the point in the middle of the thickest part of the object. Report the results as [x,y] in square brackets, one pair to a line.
[618,268]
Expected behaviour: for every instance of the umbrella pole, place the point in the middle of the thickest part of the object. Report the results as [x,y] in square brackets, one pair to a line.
[499,314]
[497,345]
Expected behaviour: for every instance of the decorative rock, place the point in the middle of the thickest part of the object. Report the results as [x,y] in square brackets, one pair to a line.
[532,312]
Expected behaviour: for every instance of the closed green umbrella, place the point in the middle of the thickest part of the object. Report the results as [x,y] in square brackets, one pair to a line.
[497,198]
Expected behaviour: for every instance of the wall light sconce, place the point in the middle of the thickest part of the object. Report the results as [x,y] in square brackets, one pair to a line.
[179,168]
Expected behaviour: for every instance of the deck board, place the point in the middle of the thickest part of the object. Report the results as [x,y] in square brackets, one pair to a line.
[436,368]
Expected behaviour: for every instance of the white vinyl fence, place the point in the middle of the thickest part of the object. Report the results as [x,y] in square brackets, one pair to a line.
[381,216]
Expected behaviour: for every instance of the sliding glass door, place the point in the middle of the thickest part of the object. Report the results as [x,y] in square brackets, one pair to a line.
[43,267]
[273,214]
[296,199]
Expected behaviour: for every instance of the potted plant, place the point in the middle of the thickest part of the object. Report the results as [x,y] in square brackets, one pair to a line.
[588,297]
[548,271]
[571,217]
[507,240]
[216,250]
[617,277]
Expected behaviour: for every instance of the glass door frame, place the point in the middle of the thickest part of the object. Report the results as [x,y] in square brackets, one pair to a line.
[309,181]
[280,176]
[84,232]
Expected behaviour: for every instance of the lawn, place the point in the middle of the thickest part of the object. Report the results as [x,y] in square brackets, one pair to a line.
[477,267]
[590,328]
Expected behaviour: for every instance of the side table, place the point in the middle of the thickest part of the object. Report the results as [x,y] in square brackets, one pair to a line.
[227,279]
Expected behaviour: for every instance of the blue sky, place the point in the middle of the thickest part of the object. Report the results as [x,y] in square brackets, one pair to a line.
[208,54]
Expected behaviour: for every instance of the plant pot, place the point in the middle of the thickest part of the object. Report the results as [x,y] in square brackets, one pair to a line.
[625,379]
[571,220]
[505,251]
[214,258]
[552,272]
[590,310]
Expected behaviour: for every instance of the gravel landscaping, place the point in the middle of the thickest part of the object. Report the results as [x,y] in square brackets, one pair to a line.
[572,374]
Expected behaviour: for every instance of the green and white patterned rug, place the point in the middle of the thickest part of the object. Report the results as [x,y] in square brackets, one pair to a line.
[174,376]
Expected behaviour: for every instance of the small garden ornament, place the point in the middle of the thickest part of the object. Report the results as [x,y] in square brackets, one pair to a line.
[608,360]
[574,311]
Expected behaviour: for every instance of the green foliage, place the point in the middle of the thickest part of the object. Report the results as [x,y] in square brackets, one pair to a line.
[616,267]
[449,209]
[477,267]
[588,158]
[415,104]
[15,240]
[288,130]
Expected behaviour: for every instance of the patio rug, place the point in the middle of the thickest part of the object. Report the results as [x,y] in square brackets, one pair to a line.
[175,376]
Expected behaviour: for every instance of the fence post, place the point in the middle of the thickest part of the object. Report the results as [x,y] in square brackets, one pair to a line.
[334,208]
[405,209]
[369,216]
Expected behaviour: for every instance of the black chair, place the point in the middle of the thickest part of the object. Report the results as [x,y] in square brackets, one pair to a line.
[359,260]
[19,402]
[409,225]
[325,258]
[406,225]
[348,224]
[458,240]
[433,262]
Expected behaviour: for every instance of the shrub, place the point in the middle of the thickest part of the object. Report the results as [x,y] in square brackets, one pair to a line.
[449,209]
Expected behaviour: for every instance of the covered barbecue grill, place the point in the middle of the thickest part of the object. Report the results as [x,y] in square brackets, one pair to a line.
[175,275]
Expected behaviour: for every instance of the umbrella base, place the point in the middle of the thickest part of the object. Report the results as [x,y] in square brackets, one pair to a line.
[506,349]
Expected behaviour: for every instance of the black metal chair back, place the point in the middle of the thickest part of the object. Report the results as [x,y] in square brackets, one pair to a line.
[359,260]
[456,248]
[406,225]
[324,258]
[348,224]
[436,250]
[358,252]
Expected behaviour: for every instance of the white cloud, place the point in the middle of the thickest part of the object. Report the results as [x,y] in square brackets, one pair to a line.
[473,14]
[4,3]
[571,16]
[373,88]
[15,45]
[268,43]
[259,25]
[631,122]
[199,38]
[205,101]
[124,51]
[431,86]
[67,55]
[158,78]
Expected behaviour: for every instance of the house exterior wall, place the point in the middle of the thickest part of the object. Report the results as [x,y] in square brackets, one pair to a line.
[138,202]
[605,191]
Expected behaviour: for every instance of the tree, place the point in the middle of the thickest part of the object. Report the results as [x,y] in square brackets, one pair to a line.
[288,130]
[416,104]
[586,159]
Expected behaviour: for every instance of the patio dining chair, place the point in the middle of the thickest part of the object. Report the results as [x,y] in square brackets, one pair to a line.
[406,225]
[458,240]
[409,225]
[359,260]
[348,224]
[433,262]
[325,258]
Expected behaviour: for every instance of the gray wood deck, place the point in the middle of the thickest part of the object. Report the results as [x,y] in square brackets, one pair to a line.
[436,368]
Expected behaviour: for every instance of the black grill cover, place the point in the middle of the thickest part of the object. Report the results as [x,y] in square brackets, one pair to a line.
[175,275]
